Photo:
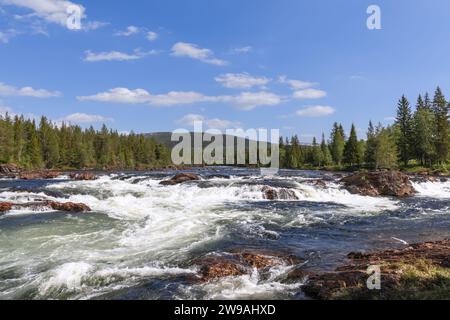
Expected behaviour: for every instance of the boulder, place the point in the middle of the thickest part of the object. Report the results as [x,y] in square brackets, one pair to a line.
[270,193]
[38,175]
[380,183]
[83,176]
[45,205]
[9,169]
[240,262]
[5,206]
[180,178]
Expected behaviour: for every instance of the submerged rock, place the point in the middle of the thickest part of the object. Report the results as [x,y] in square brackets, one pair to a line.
[45,205]
[86,176]
[180,178]
[420,271]
[380,183]
[270,193]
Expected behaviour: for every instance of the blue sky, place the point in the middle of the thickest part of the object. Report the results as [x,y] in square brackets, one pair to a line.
[157,65]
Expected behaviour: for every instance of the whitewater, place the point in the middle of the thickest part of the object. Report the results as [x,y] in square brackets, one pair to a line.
[141,239]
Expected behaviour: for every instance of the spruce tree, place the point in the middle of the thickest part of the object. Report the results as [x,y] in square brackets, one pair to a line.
[351,155]
[404,130]
[441,109]
[337,144]
[424,133]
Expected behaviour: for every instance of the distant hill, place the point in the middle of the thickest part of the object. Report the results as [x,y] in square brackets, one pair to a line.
[164,138]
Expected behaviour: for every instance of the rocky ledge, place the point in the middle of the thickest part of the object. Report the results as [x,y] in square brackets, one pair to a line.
[44,205]
[420,271]
[87,176]
[380,183]
[180,178]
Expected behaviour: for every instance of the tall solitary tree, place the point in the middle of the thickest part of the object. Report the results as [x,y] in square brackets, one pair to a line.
[351,154]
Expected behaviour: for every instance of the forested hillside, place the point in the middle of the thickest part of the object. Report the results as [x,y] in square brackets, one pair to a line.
[419,137]
[46,145]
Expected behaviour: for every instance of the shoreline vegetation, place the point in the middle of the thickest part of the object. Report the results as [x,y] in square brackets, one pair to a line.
[417,142]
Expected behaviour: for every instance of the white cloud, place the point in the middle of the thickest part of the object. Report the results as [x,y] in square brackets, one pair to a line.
[116,56]
[11,91]
[296,84]
[130,31]
[251,100]
[242,50]
[7,35]
[85,118]
[152,36]
[241,80]
[310,94]
[183,49]
[244,101]
[54,11]
[315,111]
[214,123]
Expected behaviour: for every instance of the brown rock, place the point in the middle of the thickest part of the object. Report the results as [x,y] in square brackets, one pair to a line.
[270,193]
[69,206]
[180,178]
[38,175]
[5,207]
[9,169]
[43,205]
[380,183]
[240,262]
[86,176]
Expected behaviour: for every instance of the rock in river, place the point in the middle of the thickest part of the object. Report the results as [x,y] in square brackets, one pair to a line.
[45,205]
[380,183]
[270,193]
[180,178]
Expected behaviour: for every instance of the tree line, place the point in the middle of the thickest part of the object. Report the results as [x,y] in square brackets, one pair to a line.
[419,137]
[51,146]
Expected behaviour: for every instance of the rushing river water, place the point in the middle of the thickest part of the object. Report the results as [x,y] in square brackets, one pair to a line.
[141,238]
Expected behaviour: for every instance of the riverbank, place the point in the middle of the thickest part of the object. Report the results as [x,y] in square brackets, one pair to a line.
[417,272]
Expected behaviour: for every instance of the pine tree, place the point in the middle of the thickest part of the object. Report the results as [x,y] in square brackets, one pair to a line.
[441,109]
[404,130]
[351,155]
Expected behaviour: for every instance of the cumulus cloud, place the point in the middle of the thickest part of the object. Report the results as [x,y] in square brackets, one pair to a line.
[244,101]
[296,84]
[128,32]
[53,11]
[116,55]
[152,36]
[241,80]
[315,111]
[251,100]
[214,123]
[11,91]
[85,118]
[183,49]
[310,94]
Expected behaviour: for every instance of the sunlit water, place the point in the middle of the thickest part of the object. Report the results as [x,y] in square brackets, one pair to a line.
[141,238]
